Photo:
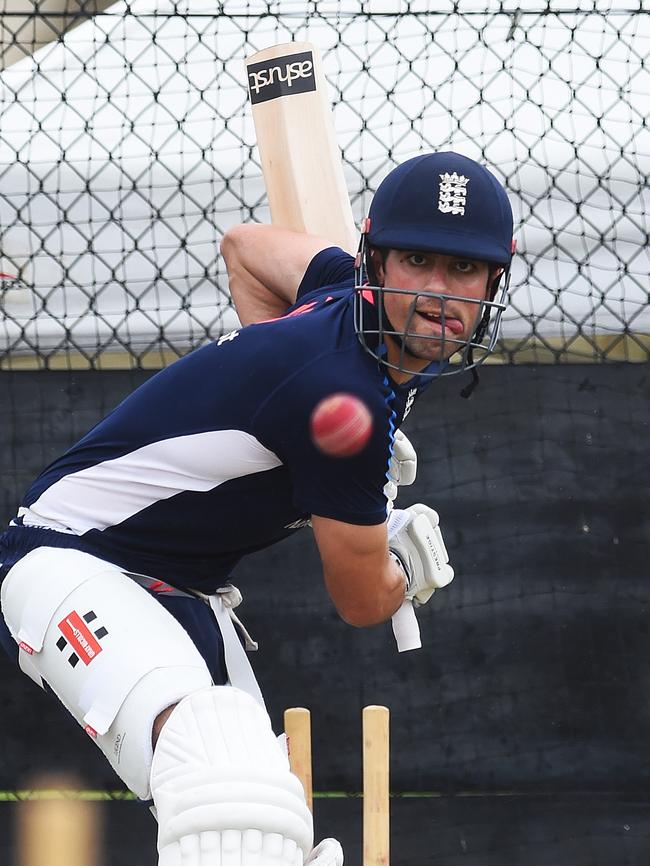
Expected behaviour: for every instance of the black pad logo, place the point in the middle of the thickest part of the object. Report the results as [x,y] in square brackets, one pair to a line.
[281,76]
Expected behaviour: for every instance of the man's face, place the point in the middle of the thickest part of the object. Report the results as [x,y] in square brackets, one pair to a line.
[412,272]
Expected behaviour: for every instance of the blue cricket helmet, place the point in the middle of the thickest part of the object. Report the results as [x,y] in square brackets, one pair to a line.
[440,203]
[444,203]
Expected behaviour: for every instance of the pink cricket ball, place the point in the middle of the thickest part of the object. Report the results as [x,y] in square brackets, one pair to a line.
[341,425]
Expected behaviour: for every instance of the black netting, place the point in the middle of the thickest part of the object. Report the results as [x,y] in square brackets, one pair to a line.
[127,148]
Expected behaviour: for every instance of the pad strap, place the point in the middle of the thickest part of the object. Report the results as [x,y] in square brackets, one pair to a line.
[240,672]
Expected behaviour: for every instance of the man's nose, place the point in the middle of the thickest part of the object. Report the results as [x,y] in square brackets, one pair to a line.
[437,280]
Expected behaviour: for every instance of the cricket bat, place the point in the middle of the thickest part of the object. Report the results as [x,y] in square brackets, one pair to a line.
[303,174]
[301,161]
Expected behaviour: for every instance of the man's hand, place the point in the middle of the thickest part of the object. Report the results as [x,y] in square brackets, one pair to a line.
[402,467]
[414,537]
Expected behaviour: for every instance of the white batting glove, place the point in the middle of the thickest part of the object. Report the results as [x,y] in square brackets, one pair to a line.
[326,853]
[402,467]
[414,537]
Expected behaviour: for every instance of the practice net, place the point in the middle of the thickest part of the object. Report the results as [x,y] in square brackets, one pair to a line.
[127,149]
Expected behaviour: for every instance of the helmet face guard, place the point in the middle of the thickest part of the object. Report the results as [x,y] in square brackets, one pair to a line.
[448,204]
[454,355]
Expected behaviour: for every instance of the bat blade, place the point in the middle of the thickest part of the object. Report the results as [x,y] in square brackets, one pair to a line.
[301,161]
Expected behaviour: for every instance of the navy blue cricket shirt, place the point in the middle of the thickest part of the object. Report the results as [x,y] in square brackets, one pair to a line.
[211,458]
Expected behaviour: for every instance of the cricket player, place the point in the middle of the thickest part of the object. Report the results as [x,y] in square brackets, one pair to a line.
[116,569]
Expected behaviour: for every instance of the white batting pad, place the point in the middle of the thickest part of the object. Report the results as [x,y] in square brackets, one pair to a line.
[327,853]
[222,787]
[114,656]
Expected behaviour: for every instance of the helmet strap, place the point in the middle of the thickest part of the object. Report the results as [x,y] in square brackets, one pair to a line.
[468,390]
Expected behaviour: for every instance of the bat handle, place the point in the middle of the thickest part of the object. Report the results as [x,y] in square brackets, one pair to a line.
[406,628]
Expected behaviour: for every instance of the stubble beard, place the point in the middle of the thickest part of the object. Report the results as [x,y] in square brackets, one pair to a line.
[433,348]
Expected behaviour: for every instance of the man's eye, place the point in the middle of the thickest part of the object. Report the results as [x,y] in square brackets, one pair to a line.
[465,267]
[417,259]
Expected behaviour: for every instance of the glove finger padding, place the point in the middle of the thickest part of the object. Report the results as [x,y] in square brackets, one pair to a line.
[433,555]
[420,508]
[403,464]
[402,467]
[417,541]
[390,492]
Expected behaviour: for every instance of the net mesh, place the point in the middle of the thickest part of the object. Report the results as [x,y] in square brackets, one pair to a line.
[127,149]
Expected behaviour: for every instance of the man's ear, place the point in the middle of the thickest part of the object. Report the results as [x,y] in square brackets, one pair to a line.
[493,282]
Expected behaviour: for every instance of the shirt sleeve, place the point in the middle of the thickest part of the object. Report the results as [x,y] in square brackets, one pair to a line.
[349,489]
[328,268]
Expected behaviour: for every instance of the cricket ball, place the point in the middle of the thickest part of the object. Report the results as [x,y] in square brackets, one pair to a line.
[341,425]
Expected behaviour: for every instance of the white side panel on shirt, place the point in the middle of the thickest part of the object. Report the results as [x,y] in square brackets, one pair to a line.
[112,491]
